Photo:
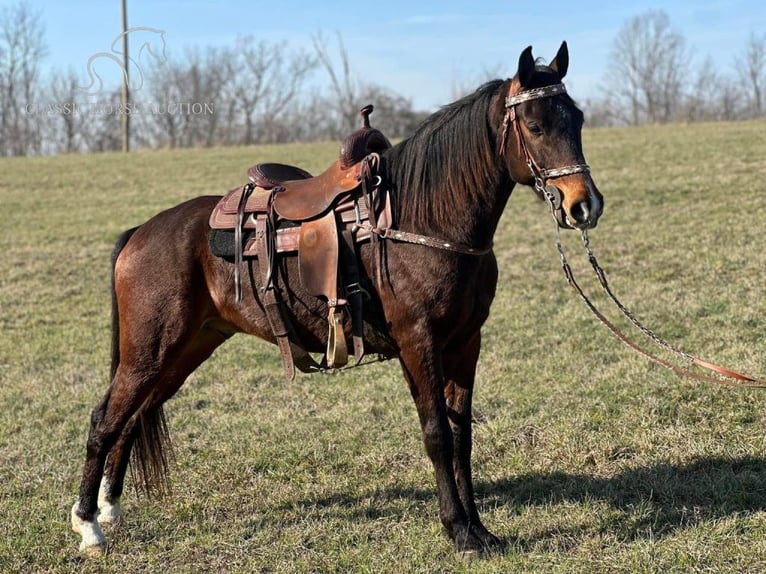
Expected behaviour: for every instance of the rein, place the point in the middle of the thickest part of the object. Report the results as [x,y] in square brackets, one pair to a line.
[726,376]
[553,195]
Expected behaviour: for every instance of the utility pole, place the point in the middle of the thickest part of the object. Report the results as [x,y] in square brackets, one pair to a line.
[125,87]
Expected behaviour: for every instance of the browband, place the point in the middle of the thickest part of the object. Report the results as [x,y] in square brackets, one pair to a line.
[534,93]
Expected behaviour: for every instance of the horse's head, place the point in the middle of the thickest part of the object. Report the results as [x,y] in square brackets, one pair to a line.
[541,140]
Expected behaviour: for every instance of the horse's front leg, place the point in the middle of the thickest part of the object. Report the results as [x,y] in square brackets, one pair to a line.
[460,373]
[423,372]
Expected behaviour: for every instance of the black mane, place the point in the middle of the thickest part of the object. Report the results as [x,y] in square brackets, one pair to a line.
[447,164]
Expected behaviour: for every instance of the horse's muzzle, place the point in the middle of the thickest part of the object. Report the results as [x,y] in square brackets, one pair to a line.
[582,215]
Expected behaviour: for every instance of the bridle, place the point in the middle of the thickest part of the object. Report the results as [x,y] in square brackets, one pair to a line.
[541,175]
[724,375]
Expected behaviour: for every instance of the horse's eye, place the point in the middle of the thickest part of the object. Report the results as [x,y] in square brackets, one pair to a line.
[534,129]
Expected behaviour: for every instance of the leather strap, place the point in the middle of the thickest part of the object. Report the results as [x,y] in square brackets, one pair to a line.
[723,371]
[238,243]
[291,352]
[354,292]
[544,92]
[417,239]
[727,377]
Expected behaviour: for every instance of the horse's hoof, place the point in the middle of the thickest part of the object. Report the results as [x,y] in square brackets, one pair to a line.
[111,515]
[93,541]
[96,551]
[477,543]
[492,544]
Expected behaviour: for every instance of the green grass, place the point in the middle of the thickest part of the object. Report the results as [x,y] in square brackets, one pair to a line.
[587,458]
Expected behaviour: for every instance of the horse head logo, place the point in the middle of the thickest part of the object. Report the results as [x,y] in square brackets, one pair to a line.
[154,46]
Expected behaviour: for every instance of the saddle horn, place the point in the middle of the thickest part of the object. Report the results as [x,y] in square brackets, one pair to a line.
[362,142]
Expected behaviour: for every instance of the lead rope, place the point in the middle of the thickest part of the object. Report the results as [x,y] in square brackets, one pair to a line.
[739,380]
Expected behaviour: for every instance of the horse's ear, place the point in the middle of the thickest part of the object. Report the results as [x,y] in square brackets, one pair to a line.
[526,67]
[560,63]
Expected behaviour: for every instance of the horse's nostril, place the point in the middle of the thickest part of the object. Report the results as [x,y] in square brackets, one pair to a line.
[581,212]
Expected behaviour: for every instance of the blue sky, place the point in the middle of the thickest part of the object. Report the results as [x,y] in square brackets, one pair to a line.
[419,49]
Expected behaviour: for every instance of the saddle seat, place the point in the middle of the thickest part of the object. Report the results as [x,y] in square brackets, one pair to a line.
[298,199]
[270,175]
[321,218]
[306,198]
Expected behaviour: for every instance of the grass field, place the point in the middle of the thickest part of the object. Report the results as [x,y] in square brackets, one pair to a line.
[587,458]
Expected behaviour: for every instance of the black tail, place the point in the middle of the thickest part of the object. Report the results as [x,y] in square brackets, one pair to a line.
[150,457]
[152,451]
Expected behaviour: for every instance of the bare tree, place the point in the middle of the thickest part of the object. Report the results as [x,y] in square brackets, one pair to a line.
[601,112]
[64,129]
[751,66]
[700,104]
[180,105]
[22,47]
[647,64]
[102,129]
[268,78]
[205,82]
[394,113]
[158,124]
[714,96]
[345,89]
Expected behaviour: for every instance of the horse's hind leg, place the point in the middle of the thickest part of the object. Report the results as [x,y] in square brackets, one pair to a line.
[114,429]
[113,481]
[108,421]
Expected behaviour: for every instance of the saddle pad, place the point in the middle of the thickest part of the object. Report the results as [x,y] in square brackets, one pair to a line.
[221,242]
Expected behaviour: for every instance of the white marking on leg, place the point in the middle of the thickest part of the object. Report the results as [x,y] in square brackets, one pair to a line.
[93,540]
[109,511]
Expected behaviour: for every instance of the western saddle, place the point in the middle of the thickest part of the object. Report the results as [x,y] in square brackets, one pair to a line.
[284,210]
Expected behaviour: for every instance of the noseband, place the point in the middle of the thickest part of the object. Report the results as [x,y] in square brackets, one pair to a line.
[541,175]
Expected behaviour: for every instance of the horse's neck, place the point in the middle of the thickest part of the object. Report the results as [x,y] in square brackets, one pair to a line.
[467,213]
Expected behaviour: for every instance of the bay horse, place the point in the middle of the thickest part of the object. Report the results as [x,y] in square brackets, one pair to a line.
[174,302]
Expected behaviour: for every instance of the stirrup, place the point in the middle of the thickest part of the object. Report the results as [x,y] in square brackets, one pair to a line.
[337,351]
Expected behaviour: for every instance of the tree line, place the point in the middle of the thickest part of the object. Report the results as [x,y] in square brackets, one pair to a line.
[653,76]
[259,91]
